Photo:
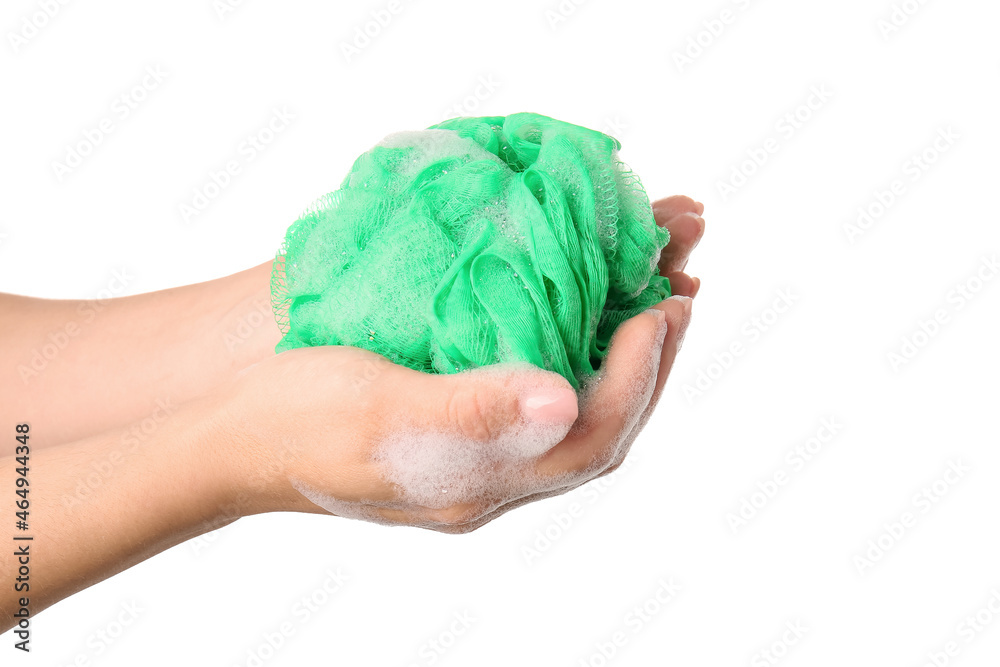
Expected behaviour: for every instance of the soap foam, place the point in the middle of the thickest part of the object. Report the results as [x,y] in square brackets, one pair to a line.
[440,469]
[342,508]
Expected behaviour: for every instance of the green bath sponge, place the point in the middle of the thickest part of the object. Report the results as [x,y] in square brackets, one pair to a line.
[477,241]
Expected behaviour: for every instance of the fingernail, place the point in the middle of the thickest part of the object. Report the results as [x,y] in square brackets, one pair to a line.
[550,406]
[657,313]
[701,228]
[685,301]
[697,286]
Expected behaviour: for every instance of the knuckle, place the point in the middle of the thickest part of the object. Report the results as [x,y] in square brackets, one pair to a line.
[472,414]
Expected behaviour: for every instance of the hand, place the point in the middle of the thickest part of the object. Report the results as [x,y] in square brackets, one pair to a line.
[342,430]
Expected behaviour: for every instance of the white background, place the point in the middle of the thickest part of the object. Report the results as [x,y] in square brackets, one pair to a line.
[685,127]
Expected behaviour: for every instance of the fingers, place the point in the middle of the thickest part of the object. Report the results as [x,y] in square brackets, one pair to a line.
[482,406]
[487,406]
[611,406]
[681,284]
[677,310]
[677,321]
[674,206]
[682,217]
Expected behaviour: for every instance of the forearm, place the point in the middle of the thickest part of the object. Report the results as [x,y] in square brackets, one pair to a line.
[82,367]
[177,484]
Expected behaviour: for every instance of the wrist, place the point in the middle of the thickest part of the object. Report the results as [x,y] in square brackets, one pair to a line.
[206,463]
[254,460]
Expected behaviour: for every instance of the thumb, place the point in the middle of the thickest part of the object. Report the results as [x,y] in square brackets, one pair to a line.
[506,402]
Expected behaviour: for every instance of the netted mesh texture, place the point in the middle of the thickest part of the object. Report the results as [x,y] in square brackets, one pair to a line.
[475,242]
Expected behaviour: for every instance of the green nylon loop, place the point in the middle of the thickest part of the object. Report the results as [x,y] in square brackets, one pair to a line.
[475,242]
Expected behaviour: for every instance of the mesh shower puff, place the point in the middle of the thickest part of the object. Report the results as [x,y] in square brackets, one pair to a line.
[475,242]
